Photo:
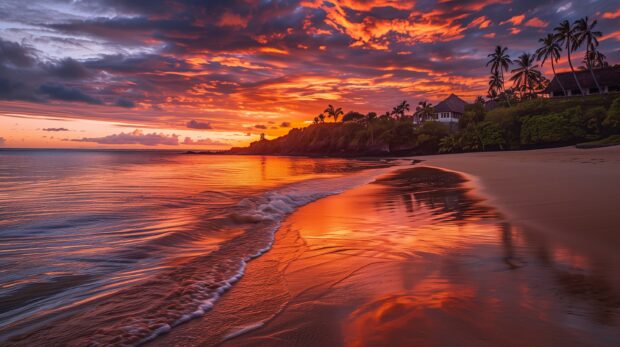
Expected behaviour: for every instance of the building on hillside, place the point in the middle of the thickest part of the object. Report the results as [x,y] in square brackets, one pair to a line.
[450,110]
[608,78]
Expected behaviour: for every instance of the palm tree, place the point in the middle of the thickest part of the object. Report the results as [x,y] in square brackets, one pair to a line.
[526,76]
[598,59]
[500,62]
[316,120]
[333,112]
[585,33]
[424,111]
[400,109]
[322,118]
[565,36]
[550,49]
[479,100]
[496,83]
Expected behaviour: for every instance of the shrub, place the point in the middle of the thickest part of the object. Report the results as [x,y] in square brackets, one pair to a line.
[612,120]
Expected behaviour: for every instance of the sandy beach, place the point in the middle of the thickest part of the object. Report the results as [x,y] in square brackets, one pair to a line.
[510,248]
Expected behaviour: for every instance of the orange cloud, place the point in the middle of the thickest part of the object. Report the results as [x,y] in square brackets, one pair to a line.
[489,35]
[536,23]
[480,22]
[233,20]
[514,31]
[612,15]
[515,20]
[372,32]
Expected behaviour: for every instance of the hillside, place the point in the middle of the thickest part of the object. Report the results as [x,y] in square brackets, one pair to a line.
[536,123]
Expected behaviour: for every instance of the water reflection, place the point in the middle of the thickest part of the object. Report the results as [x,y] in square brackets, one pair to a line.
[420,260]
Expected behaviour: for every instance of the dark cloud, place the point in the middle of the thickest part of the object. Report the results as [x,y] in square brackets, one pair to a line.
[285,125]
[69,69]
[194,124]
[15,54]
[55,129]
[260,126]
[124,102]
[61,92]
[137,137]
[2,141]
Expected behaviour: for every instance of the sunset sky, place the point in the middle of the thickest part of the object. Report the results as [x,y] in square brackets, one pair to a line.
[215,74]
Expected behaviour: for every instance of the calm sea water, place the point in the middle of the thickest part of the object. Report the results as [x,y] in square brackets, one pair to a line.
[161,233]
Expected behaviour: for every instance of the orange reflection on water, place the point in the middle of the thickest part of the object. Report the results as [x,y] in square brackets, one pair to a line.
[419,260]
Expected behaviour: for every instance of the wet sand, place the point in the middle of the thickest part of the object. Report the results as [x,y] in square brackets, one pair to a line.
[571,194]
[424,258]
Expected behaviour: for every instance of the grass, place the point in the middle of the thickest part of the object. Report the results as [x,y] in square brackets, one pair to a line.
[612,140]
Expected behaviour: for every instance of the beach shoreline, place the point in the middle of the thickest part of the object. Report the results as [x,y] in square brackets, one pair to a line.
[280,312]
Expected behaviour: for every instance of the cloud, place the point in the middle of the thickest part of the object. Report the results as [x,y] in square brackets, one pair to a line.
[194,124]
[124,102]
[260,126]
[564,7]
[515,20]
[16,54]
[206,142]
[137,137]
[2,141]
[285,125]
[612,15]
[55,129]
[536,23]
[61,92]
[69,69]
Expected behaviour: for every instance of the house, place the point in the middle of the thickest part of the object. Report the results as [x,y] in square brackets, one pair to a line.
[450,110]
[608,78]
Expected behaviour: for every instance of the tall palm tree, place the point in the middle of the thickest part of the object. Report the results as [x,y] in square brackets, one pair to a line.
[400,109]
[585,33]
[333,112]
[424,111]
[496,83]
[526,76]
[500,62]
[565,36]
[550,49]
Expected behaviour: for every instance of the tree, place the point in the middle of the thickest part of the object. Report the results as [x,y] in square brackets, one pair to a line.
[584,33]
[496,83]
[262,136]
[316,120]
[565,36]
[400,109]
[424,111]
[500,62]
[550,49]
[334,113]
[526,76]
[322,118]
[479,100]
[352,116]
[371,116]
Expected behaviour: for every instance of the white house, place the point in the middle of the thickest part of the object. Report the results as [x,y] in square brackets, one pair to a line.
[450,110]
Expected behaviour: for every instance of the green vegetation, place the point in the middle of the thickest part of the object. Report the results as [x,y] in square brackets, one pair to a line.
[535,123]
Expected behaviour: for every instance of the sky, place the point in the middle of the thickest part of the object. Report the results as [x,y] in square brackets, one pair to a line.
[213,74]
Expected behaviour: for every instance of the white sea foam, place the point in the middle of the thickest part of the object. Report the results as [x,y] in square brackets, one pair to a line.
[272,207]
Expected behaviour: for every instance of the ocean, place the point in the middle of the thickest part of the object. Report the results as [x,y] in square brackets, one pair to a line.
[145,239]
